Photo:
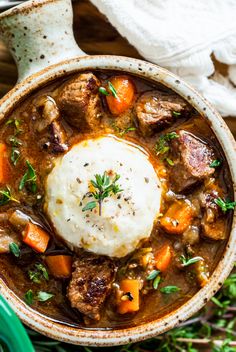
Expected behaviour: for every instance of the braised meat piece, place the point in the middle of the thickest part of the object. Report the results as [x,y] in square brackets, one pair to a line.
[156,110]
[192,159]
[90,284]
[79,101]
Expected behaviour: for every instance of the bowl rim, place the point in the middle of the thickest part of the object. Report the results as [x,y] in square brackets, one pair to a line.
[143,69]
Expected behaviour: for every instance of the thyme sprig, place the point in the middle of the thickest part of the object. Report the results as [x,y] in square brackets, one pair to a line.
[104,186]
[225,205]
[6,196]
[163,146]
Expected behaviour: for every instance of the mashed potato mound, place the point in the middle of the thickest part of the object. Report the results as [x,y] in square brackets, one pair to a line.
[126,217]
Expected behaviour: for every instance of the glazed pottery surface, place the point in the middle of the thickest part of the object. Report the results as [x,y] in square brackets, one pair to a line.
[39,35]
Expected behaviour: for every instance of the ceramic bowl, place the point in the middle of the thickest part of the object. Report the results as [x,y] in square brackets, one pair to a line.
[39,35]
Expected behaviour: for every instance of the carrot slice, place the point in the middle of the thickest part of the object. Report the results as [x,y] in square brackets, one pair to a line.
[4,164]
[131,289]
[35,237]
[124,88]
[163,258]
[177,218]
[59,265]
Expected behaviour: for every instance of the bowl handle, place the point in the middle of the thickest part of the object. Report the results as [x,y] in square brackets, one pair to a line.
[39,33]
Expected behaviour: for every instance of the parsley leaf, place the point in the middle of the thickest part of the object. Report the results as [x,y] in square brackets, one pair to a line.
[30,178]
[224,204]
[44,296]
[104,186]
[7,197]
[14,249]
[169,289]
[39,273]
[189,261]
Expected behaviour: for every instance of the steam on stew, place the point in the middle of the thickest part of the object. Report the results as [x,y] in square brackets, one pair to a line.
[114,198]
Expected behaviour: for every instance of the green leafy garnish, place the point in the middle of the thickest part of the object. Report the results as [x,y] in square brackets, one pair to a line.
[39,273]
[156,282]
[225,205]
[112,89]
[103,91]
[169,161]
[176,113]
[16,123]
[188,261]
[7,197]
[15,155]
[215,163]
[14,249]
[162,145]
[153,275]
[44,296]
[121,131]
[29,178]
[29,297]
[169,289]
[105,186]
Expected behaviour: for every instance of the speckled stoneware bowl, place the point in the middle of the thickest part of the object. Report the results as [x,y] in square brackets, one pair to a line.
[39,35]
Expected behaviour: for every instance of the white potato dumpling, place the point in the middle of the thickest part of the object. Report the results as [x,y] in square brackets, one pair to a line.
[126,217]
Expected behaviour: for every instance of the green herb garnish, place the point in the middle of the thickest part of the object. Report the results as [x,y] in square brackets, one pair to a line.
[14,249]
[103,91]
[170,161]
[29,297]
[112,89]
[156,282]
[7,197]
[188,261]
[169,289]
[105,186]
[44,296]
[176,113]
[15,155]
[121,131]
[215,163]
[153,275]
[39,273]
[16,123]
[162,145]
[225,205]
[29,178]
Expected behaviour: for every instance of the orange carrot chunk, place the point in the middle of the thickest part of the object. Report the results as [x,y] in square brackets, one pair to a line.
[35,237]
[59,265]
[130,299]
[177,218]
[4,164]
[122,99]
[163,258]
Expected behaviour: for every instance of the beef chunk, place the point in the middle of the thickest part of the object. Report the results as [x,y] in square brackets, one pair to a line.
[90,284]
[192,159]
[79,101]
[215,230]
[156,110]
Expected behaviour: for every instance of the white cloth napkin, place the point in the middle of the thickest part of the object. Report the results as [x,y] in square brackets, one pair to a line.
[182,36]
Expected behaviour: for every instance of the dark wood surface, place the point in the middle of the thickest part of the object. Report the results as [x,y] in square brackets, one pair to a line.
[95,35]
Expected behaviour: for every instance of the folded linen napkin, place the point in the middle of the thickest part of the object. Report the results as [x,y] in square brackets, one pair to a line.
[182,36]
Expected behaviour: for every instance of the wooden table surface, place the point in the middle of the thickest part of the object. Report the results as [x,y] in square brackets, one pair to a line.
[95,35]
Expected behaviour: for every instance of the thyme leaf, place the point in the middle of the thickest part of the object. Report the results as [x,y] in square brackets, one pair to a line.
[225,205]
[104,186]
[44,296]
[169,289]
[7,197]
[215,163]
[189,261]
[113,90]
[30,178]
[14,249]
